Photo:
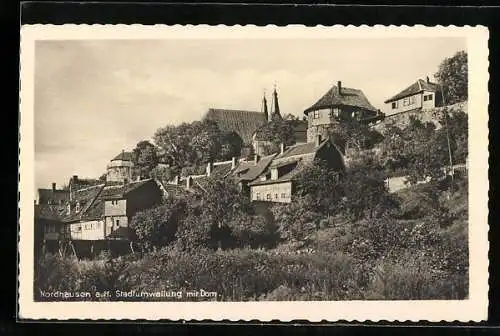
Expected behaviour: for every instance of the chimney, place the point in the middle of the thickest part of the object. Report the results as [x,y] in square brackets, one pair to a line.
[427,79]
[53,186]
[233,162]
[282,148]
[75,178]
[189,181]
[317,140]
[256,159]
[209,168]
[339,86]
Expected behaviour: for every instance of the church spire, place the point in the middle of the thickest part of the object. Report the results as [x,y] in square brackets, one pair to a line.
[264,106]
[276,107]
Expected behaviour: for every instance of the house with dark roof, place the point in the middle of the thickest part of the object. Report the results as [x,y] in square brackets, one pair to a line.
[52,196]
[419,95]
[277,182]
[336,105]
[98,211]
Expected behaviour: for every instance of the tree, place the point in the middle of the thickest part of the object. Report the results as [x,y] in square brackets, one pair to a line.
[322,184]
[298,220]
[366,194]
[452,75]
[157,227]
[196,143]
[145,158]
[351,134]
[276,132]
[211,215]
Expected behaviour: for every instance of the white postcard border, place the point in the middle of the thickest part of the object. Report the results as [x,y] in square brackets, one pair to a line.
[473,309]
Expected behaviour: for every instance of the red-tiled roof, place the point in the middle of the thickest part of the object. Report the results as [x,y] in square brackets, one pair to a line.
[348,96]
[417,87]
[244,123]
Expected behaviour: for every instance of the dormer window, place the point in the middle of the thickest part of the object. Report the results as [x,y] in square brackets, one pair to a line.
[77,207]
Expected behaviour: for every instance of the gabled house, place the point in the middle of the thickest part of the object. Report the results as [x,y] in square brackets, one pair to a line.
[277,182]
[419,95]
[98,213]
[337,105]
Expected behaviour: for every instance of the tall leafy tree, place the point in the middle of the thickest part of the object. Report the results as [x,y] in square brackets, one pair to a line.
[453,76]
[322,185]
[145,158]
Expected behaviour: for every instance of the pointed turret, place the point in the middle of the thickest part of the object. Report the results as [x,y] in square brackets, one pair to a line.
[275,106]
[264,106]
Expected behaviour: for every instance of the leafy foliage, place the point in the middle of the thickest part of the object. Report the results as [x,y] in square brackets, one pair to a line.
[199,142]
[157,227]
[145,158]
[278,131]
[453,76]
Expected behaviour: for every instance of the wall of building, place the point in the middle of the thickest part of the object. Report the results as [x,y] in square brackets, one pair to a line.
[51,230]
[112,223]
[414,102]
[429,103]
[87,230]
[115,207]
[276,192]
[118,171]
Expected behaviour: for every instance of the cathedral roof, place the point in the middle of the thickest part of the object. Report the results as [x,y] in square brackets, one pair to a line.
[243,123]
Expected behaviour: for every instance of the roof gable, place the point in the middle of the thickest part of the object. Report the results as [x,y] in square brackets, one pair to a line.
[347,96]
[243,123]
[414,88]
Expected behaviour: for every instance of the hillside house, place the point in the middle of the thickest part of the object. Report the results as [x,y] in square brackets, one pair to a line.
[276,183]
[335,106]
[421,94]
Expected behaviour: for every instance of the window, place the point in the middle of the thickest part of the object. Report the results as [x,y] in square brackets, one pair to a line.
[275,196]
[395,105]
[283,195]
[412,100]
[268,197]
[406,101]
[428,97]
[117,222]
[257,196]
[316,115]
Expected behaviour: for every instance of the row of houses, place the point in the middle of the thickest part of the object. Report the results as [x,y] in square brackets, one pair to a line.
[99,211]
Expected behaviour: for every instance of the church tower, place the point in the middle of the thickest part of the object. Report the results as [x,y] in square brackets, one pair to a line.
[275,106]
[264,106]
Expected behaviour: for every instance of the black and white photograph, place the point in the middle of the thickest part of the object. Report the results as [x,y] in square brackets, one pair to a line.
[219,169]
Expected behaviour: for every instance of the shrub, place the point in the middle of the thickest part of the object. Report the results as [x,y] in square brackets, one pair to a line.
[55,273]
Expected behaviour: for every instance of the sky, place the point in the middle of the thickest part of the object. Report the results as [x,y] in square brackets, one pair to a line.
[94,98]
